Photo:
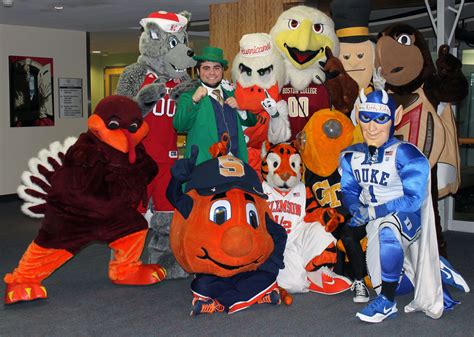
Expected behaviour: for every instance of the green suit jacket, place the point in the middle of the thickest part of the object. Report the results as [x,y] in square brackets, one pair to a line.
[199,121]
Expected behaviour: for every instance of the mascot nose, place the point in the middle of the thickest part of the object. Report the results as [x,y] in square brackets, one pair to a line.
[285,176]
[190,53]
[237,241]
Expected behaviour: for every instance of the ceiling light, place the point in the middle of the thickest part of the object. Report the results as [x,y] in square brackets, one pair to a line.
[96,52]
[59,8]
[7,3]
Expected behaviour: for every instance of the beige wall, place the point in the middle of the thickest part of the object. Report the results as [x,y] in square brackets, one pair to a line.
[18,145]
[97,66]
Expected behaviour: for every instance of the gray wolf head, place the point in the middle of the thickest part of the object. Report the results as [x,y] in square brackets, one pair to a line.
[166,50]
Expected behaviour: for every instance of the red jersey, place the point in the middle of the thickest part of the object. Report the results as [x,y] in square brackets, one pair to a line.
[302,104]
[161,142]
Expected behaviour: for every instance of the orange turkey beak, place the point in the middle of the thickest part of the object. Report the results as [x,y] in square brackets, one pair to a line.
[120,139]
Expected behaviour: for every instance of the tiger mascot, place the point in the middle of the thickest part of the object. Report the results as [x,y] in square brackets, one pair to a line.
[310,251]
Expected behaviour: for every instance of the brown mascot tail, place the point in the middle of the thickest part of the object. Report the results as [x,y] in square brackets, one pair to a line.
[36,183]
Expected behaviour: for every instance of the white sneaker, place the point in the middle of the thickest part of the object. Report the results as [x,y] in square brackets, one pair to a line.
[361,293]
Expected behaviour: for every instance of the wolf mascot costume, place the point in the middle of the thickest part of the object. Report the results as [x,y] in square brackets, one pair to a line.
[160,75]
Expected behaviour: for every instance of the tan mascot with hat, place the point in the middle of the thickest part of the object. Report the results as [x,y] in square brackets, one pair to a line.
[357,51]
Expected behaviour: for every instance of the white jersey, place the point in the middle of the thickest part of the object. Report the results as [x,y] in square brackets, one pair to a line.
[288,208]
[374,178]
[305,240]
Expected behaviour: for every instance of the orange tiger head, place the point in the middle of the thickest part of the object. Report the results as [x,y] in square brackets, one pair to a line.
[281,165]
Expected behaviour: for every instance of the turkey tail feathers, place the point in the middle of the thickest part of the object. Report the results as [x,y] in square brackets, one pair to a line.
[36,183]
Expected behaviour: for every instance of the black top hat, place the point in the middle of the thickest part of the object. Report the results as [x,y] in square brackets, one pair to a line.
[351,18]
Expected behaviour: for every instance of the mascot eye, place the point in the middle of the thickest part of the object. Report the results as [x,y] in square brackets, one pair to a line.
[133,127]
[364,119]
[173,42]
[404,39]
[252,215]
[332,128]
[346,56]
[360,55]
[113,125]
[382,119]
[154,35]
[220,211]
[293,24]
[318,28]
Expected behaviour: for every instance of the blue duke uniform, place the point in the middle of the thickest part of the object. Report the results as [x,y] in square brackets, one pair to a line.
[395,181]
[394,185]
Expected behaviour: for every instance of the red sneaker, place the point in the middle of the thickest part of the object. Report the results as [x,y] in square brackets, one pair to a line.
[325,281]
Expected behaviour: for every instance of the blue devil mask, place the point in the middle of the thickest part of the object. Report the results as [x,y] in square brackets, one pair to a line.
[377,106]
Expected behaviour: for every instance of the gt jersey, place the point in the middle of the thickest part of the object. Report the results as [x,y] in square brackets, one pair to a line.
[302,104]
[161,142]
[326,190]
[288,208]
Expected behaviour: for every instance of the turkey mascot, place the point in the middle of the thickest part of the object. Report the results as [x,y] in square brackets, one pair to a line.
[425,92]
[223,231]
[160,76]
[306,40]
[259,73]
[89,192]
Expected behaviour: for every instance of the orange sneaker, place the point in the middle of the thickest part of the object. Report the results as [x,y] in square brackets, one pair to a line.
[325,281]
[209,306]
[272,297]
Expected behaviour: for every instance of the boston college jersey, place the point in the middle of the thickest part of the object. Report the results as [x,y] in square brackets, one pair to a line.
[288,208]
[302,104]
[161,142]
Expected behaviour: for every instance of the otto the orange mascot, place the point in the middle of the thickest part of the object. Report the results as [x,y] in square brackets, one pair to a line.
[90,193]
[222,230]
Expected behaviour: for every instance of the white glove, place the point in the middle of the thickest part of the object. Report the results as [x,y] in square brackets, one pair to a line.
[269,104]
[378,79]
[242,113]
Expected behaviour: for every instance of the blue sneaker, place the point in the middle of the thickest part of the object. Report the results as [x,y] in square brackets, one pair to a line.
[377,310]
[451,277]
[209,306]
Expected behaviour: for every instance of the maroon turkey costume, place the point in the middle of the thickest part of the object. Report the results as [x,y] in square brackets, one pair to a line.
[92,194]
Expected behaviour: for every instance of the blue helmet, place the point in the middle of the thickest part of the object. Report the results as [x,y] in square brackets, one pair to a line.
[377,106]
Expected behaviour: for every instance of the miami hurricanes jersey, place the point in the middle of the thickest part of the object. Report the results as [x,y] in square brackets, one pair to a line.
[302,104]
[288,208]
[161,142]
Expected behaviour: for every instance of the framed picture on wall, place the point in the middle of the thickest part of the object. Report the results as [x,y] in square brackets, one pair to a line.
[31,91]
